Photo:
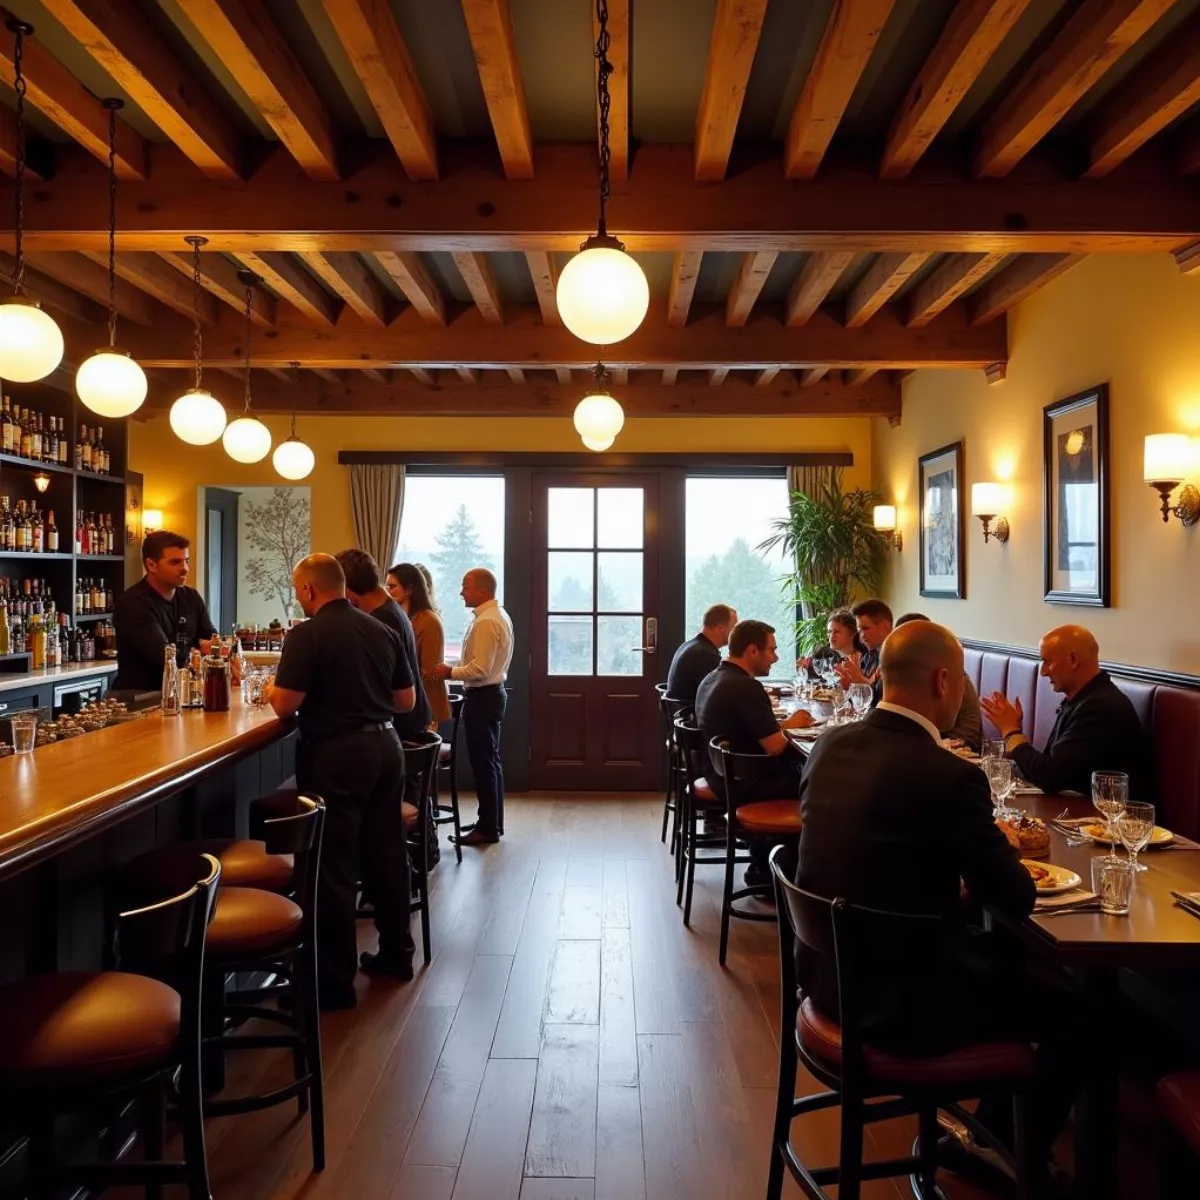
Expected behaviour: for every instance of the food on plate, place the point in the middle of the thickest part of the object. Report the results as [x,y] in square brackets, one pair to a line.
[1028,834]
[1042,878]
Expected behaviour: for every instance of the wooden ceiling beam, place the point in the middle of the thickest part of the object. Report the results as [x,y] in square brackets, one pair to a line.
[8,148]
[490,27]
[973,33]
[950,280]
[423,377]
[1096,36]
[544,272]
[717,376]
[516,374]
[662,208]
[413,278]
[736,30]
[481,283]
[850,36]
[523,341]
[858,377]
[1161,89]
[670,376]
[292,283]
[752,275]
[618,87]
[371,38]
[245,38]
[469,375]
[563,375]
[347,275]
[63,299]
[152,276]
[1016,283]
[219,277]
[684,274]
[326,376]
[495,395]
[125,45]
[61,98]
[811,376]
[376,375]
[766,377]
[621,376]
[816,280]
[91,280]
[887,275]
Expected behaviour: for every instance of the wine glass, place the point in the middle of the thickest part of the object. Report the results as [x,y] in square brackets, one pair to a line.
[1136,826]
[992,749]
[1110,794]
[861,696]
[999,772]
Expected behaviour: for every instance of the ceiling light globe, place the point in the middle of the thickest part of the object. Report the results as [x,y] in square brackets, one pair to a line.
[247,440]
[293,459]
[602,295]
[197,417]
[31,343]
[597,444]
[111,384]
[598,417]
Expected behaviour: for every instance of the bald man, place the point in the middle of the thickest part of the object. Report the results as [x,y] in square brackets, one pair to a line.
[895,822]
[1096,728]
[345,676]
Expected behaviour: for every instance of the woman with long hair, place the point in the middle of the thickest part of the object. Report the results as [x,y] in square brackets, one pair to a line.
[844,642]
[406,585]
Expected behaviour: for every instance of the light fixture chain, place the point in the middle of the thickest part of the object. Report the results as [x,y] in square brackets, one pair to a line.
[19,29]
[603,71]
[197,333]
[112,222]
[249,299]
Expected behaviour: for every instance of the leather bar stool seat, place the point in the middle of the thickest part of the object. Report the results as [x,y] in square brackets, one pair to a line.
[779,817]
[85,1025]
[251,922]
[1179,1102]
[703,792]
[244,863]
[409,814]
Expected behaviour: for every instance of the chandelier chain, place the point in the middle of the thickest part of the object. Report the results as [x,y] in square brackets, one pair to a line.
[249,300]
[19,30]
[112,106]
[197,334]
[604,69]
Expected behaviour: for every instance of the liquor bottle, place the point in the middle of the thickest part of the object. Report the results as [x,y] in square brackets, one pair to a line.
[5,630]
[6,427]
[97,597]
[37,532]
[99,454]
[51,534]
[109,598]
[37,641]
[170,682]
[64,449]
[85,449]
[50,442]
[26,436]
[79,448]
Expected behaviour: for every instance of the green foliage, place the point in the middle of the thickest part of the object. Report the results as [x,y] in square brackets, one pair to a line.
[459,549]
[831,537]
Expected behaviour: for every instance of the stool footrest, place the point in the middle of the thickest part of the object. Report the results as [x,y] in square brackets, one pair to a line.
[248,1012]
[245,1104]
[258,1041]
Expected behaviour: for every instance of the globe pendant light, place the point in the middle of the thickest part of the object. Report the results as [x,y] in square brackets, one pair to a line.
[598,417]
[110,383]
[197,416]
[292,458]
[31,343]
[602,292]
[247,440]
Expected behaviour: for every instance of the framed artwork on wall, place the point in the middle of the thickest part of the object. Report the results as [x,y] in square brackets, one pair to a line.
[1075,456]
[942,544]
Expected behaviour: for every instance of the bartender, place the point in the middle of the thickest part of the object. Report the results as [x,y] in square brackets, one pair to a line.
[158,611]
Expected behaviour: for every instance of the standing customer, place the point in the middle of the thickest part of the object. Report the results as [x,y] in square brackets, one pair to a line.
[486,654]
[406,585]
[346,677]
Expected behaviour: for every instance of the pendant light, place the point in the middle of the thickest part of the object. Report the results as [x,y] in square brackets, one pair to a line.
[197,416]
[292,458]
[247,440]
[110,383]
[598,417]
[31,343]
[602,292]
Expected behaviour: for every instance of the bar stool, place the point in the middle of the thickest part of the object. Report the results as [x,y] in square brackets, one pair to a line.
[77,1039]
[245,862]
[763,820]
[421,759]
[696,798]
[444,814]
[867,1084]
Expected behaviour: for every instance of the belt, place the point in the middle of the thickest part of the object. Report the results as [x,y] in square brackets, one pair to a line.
[482,687]
[375,727]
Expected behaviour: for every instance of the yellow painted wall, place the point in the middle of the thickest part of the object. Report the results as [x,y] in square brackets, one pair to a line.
[1132,321]
[173,471]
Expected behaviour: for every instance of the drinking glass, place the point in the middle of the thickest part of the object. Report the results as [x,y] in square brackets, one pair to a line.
[24,732]
[1112,881]
[1000,781]
[860,697]
[992,749]
[1136,826]
[1110,794]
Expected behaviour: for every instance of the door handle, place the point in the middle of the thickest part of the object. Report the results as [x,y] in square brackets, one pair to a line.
[651,646]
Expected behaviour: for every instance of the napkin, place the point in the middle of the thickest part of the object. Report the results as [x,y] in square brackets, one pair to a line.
[1189,901]
[1063,900]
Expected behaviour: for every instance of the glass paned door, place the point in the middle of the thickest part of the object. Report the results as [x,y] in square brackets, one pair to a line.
[595,632]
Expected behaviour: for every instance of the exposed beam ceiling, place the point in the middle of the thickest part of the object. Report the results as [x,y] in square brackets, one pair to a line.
[481,283]
[1016,283]
[286,277]
[886,276]
[752,275]
[684,274]
[951,279]
[149,273]
[815,281]
[618,87]
[91,279]
[8,147]
[419,287]
[544,273]
[349,277]
[66,302]
[220,277]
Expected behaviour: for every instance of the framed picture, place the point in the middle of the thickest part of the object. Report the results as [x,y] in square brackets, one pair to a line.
[1075,451]
[941,480]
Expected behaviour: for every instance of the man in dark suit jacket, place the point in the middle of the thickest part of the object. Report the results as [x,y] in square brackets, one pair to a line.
[1096,728]
[893,821]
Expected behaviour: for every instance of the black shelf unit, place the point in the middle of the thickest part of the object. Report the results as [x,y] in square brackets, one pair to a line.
[102,616]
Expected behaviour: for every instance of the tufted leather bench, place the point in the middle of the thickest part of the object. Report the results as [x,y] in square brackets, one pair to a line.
[1170,713]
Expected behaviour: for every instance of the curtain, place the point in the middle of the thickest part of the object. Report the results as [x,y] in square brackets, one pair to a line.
[376,505]
[808,480]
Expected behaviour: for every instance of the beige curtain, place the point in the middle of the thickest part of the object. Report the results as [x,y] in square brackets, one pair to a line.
[808,480]
[376,505]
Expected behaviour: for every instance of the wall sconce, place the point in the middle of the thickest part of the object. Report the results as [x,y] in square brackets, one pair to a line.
[152,519]
[41,481]
[885,523]
[1168,460]
[987,500]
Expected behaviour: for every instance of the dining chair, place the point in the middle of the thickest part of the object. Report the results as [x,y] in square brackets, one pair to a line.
[697,798]
[867,1084]
[665,717]
[421,756]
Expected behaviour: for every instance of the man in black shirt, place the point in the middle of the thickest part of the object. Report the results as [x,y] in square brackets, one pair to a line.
[1096,728]
[158,611]
[700,655]
[364,590]
[345,675]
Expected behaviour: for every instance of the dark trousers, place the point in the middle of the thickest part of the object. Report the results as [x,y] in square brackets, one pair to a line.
[483,714]
[360,776]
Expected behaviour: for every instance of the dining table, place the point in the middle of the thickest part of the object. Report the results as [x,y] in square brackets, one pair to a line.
[1093,947]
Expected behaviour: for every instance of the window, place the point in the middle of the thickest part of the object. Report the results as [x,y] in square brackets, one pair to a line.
[726,520]
[452,523]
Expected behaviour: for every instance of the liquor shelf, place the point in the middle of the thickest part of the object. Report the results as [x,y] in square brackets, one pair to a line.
[25,679]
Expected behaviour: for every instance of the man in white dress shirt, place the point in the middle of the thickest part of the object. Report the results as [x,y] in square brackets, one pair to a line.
[486,654]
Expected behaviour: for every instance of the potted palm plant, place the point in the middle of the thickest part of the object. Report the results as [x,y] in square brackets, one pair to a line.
[837,552]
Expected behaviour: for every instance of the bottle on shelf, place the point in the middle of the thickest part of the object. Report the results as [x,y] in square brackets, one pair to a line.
[6,426]
[5,628]
[51,534]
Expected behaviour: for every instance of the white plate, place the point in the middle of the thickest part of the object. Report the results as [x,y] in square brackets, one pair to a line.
[1061,880]
[1160,836]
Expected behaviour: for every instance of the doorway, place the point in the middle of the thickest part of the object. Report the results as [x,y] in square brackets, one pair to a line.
[221,556]
[594,623]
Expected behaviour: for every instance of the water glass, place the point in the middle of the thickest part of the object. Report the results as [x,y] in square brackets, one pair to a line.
[992,749]
[24,732]
[999,772]
[861,696]
[1110,794]
[1135,825]
[1112,881]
